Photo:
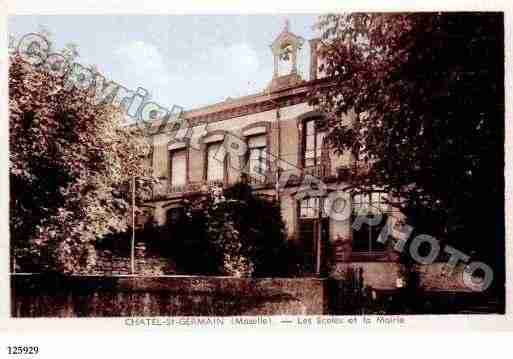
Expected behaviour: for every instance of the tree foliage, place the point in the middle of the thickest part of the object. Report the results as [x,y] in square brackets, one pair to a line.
[427,93]
[70,163]
[232,232]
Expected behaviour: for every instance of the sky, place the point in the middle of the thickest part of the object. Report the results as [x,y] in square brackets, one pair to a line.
[185,60]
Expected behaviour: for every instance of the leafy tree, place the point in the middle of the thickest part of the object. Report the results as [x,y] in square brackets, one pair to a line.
[231,232]
[260,221]
[427,92]
[70,166]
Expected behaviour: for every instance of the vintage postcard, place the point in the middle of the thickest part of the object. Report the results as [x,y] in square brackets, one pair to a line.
[340,169]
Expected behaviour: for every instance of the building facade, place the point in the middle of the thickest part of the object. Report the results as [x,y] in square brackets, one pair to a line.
[285,148]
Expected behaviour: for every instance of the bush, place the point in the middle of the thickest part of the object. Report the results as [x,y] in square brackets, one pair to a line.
[232,232]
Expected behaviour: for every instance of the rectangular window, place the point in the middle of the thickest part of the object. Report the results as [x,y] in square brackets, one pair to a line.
[313,233]
[257,158]
[313,141]
[311,207]
[369,204]
[308,208]
[215,167]
[178,167]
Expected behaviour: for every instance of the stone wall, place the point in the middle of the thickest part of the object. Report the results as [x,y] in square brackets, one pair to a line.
[383,275]
[434,277]
[93,296]
[376,275]
[109,263]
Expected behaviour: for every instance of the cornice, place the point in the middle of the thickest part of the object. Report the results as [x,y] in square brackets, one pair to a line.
[244,106]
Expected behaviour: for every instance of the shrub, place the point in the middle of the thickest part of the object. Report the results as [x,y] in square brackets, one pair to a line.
[231,232]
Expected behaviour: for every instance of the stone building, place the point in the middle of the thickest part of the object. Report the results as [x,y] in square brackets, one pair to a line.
[285,146]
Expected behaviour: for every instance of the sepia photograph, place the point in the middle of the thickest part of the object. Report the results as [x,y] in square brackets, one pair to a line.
[259,165]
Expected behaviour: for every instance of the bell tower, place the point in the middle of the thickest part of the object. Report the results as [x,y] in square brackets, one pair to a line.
[285,49]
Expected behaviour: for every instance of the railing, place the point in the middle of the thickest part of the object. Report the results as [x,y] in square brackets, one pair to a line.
[256,180]
[200,186]
[362,167]
[211,183]
[204,186]
[320,171]
[177,188]
[342,173]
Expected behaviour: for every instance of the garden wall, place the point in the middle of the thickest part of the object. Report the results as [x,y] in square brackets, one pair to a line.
[434,277]
[109,263]
[383,275]
[98,296]
[112,263]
